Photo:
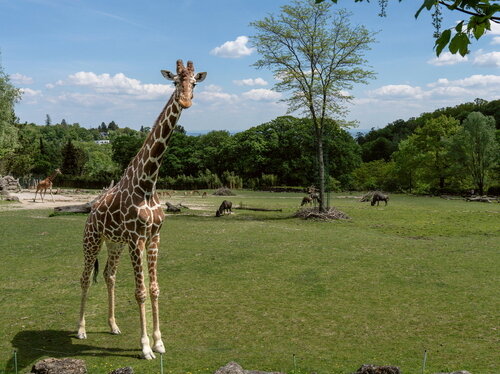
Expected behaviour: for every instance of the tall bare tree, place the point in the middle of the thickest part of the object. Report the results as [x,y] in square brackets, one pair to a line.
[316,55]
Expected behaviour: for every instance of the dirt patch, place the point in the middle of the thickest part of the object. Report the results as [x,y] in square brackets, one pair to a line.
[26,200]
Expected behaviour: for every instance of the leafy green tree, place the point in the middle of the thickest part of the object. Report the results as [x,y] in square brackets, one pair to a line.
[375,175]
[99,163]
[48,120]
[9,95]
[125,147]
[475,148]
[433,142]
[112,126]
[407,160]
[481,13]
[73,159]
[316,57]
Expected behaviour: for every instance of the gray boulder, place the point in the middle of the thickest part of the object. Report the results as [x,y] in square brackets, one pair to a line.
[235,368]
[59,366]
[374,369]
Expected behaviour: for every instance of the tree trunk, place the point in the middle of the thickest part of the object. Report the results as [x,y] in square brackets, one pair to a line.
[321,169]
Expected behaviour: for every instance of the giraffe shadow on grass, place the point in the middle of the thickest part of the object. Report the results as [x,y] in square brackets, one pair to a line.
[34,345]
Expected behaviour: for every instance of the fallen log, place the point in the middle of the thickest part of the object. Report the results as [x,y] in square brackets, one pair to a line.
[82,208]
[258,209]
[481,199]
[172,208]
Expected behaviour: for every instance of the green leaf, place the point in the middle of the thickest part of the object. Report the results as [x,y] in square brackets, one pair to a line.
[479,30]
[455,43]
[458,27]
[464,45]
[442,41]
[428,4]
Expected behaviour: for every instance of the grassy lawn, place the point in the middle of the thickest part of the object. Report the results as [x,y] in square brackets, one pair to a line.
[258,287]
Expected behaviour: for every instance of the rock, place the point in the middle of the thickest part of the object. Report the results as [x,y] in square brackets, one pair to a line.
[12,198]
[125,370]
[235,368]
[9,183]
[59,366]
[374,369]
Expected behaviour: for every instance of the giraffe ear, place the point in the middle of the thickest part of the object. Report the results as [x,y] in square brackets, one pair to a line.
[168,75]
[200,77]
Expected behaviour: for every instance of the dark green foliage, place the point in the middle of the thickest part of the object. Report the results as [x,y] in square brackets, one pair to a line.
[125,147]
[73,159]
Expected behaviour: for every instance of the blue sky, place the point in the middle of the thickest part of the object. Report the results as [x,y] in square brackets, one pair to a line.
[90,61]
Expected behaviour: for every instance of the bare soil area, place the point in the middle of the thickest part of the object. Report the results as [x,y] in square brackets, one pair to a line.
[26,200]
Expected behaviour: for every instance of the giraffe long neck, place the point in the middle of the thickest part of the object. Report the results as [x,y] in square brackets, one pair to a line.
[142,172]
[53,176]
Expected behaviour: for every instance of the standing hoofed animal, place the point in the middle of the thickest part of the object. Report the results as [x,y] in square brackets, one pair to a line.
[130,214]
[224,207]
[46,184]
[378,197]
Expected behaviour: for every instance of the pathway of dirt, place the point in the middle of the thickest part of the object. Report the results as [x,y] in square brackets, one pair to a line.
[26,200]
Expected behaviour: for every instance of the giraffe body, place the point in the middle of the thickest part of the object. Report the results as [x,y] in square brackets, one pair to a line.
[130,214]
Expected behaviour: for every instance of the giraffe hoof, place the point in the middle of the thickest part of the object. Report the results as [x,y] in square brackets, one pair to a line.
[82,335]
[116,331]
[148,354]
[159,347]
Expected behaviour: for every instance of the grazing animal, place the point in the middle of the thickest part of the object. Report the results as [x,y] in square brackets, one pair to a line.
[378,197]
[195,192]
[306,200]
[130,214]
[204,194]
[46,184]
[225,207]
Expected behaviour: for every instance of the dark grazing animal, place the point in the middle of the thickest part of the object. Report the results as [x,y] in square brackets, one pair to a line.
[224,207]
[306,200]
[378,197]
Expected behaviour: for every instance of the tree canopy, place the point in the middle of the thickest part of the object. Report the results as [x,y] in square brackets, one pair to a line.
[481,14]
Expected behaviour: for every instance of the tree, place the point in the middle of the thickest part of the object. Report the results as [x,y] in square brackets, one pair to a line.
[481,13]
[433,141]
[48,120]
[316,57]
[112,126]
[407,160]
[125,147]
[73,159]
[9,95]
[475,147]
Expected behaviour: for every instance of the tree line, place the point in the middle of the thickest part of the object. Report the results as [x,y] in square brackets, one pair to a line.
[449,150]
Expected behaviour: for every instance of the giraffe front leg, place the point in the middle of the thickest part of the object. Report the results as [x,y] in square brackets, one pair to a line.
[154,292]
[114,252]
[136,250]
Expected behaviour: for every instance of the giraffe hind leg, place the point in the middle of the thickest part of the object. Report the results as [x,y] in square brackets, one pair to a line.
[91,248]
[114,252]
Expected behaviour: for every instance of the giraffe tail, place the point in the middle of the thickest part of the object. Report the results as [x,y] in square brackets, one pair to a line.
[96,270]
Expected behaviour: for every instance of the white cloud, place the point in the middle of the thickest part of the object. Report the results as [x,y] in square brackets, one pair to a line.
[213,93]
[116,84]
[447,58]
[491,59]
[233,49]
[496,40]
[21,79]
[28,92]
[250,82]
[261,94]
[398,91]
[476,81]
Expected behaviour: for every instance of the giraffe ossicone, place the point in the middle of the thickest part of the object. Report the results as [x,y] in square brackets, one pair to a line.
[130,214]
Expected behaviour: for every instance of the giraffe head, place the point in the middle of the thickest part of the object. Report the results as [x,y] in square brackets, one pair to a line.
[184,82]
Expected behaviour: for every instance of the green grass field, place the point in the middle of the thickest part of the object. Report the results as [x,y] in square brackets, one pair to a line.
[259,287]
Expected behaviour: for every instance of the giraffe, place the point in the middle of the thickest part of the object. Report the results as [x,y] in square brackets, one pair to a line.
[46,183]
[130,213]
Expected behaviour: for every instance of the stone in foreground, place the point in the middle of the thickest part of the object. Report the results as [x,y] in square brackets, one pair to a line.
[374,369]
[235,368]
[59,366]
